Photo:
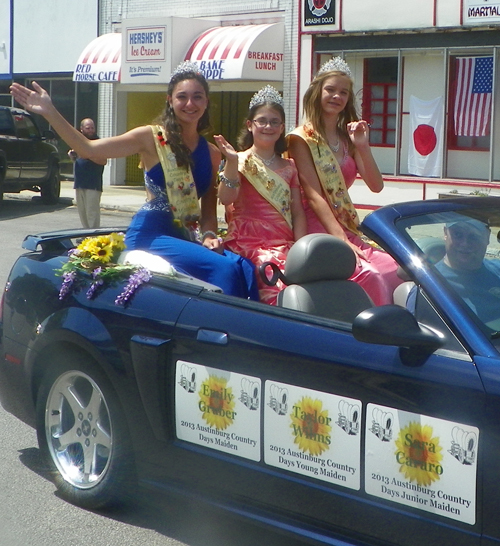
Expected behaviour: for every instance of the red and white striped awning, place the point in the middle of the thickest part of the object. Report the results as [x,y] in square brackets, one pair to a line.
[100,61]
[249,52]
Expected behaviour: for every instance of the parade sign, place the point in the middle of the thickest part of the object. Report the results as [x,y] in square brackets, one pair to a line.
[422,462]
[313,433]
[218,409]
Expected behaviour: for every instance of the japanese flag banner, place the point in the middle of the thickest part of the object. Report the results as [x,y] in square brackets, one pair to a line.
[425,148]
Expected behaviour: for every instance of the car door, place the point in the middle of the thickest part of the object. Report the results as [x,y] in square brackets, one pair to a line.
[289,413]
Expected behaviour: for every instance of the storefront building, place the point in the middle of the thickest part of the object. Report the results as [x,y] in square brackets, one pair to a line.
[40,41]
[425,73]
[426,79]
[240,47]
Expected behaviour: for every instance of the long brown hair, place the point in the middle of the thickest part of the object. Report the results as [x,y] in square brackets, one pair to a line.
[313,110]
[172,127]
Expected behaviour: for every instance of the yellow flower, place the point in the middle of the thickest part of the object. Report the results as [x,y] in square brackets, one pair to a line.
[102,248]
[103,254]
[419,454]
[217,402]
[311,426]
[117,241]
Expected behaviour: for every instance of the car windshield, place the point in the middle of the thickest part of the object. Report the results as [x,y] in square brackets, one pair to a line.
[463,247]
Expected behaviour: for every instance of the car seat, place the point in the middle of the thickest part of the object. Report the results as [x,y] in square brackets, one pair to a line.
[317,272]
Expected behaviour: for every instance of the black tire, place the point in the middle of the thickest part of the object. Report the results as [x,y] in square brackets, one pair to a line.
[51,189]
[82,434]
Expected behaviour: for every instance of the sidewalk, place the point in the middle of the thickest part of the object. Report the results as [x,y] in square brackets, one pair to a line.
[131,198]
[124,198]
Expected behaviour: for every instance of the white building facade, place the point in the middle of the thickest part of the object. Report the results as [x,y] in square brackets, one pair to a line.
[426,76]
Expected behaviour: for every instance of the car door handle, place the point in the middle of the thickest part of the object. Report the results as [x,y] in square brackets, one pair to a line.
[212,336]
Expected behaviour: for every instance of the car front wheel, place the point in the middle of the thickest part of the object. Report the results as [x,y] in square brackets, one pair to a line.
[82,434]
[51,189]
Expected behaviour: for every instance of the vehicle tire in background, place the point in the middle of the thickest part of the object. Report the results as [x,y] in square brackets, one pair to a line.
[82,434]
[51,189]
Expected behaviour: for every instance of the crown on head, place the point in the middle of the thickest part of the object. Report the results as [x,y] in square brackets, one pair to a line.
[186,66]
[267,94]
[337,64]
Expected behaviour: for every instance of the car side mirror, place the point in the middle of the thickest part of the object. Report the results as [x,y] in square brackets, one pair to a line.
[395,325]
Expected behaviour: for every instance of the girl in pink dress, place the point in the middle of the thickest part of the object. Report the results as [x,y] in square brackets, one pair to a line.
[262,189]
[329,150]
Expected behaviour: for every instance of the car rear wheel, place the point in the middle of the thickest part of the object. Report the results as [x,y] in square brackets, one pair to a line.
[82,434]
[51,189]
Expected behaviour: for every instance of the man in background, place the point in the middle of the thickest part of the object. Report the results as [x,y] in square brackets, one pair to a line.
[88,181]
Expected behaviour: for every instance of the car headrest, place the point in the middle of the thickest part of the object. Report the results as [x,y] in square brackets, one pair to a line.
[319,257]
[433,248]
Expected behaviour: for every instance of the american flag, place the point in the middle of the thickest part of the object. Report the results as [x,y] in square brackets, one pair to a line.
[473,96]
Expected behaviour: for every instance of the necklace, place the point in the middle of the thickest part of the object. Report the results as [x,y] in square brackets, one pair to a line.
[335,147]
[267,162]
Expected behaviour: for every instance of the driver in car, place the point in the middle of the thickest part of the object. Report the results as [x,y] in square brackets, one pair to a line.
[476,280]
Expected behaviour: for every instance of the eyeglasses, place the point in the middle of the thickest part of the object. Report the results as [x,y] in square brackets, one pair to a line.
[263,122]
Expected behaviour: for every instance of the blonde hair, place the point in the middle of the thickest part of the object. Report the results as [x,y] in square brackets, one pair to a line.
[313,111]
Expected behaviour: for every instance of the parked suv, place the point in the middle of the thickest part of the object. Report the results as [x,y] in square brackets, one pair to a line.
[27,160]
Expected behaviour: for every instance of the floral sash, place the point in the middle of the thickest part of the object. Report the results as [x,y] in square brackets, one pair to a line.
[331,179]
[273,188]
[180,186]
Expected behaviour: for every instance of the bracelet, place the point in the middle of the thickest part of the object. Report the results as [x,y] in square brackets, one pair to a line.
[208,233]
[232,184]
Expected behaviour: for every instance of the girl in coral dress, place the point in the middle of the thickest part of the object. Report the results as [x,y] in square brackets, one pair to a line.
[329,150]
[262,189]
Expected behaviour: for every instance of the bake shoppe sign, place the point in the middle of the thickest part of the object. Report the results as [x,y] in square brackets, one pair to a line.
[240,52]
[481,11]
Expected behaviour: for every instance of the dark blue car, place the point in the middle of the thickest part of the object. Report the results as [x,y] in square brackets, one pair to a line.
[324,416]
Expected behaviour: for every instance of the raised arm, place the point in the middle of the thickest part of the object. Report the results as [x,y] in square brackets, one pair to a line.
[365,162]
[228,194]
[139,140]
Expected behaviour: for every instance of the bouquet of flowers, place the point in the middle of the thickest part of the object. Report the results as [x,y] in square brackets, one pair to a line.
[96,258]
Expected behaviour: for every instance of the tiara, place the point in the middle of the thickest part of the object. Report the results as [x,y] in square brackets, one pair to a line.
[267,94]
[337,64]
[186,66]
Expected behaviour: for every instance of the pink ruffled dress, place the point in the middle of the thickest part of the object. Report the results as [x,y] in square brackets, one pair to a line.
[378,276]
[257,231]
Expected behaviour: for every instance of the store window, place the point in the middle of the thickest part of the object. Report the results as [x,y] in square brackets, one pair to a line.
[470,98]
[380,99]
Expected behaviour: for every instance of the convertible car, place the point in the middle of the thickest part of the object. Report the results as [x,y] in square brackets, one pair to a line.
[323,416]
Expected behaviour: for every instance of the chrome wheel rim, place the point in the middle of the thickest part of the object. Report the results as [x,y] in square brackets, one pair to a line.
[78,429]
